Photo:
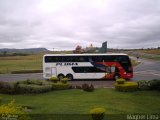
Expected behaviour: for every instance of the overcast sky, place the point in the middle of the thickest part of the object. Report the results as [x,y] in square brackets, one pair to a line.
[63,24]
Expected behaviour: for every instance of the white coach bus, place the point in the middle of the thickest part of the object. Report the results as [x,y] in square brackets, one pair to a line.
[87,66]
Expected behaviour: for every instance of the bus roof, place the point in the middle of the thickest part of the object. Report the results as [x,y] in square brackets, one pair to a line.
[84,54]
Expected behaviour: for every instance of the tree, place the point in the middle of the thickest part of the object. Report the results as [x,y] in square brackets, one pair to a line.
[4,53]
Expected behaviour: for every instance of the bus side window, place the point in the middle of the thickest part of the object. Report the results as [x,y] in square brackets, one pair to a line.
[97,58]
[48,59]
[108,69]
[81,59]
[52,59]
[58,59]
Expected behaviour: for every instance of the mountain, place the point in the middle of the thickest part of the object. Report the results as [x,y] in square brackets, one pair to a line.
[28,50]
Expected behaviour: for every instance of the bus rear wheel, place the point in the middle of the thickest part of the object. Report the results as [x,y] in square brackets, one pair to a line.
[60,76]
[70,76]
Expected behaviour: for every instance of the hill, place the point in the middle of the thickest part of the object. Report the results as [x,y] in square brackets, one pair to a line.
[28,50]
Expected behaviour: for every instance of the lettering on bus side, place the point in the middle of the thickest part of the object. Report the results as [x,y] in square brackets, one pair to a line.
[66,64]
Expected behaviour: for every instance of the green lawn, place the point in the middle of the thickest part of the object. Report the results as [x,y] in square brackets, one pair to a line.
[76,101]
[14,63]
[30,62]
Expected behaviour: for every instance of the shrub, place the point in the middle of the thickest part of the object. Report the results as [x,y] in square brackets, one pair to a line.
[33,88]
[64,80]
[36,82]
[60,86]
[6,87]
[97,113]
[0,100]
[143,85]
[2,84]
[54,79]
[28,86]
[120,81]
[87,87]
[127,86]
[78,87]
[154,84]
[149,84]
[12,111]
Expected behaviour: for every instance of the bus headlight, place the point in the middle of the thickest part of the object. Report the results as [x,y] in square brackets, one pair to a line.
[48,75]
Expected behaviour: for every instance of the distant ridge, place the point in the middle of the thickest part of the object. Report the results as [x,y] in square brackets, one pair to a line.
[27,50]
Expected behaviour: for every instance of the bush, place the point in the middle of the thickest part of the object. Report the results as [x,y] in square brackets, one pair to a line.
[78,87]
[28,86]
[6,87]
[33,88]
[54,79]
[64,80]
[120,81]
[127,86]
[0,100]
[87,87]
[154,84]
[149,84]
[97,113]
[12,111]
[60,86]
[143,85]
[36,82]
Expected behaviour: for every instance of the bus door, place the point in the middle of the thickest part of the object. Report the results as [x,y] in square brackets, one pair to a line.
[54,71]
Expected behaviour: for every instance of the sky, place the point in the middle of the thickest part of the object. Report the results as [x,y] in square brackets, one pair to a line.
[64,24]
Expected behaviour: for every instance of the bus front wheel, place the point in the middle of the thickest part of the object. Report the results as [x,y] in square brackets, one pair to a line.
[116,76]
[60,76]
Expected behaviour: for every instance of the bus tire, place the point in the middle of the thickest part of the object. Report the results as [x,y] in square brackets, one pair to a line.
[60,76]
[70,76]
[116,76]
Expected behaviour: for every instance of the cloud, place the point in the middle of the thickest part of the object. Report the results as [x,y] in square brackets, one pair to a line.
[67,23]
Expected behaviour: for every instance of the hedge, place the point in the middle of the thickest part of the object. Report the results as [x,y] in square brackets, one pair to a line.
[120,81]
[97,113]
[61,86]
[149,84]
[32,88]
[127,86]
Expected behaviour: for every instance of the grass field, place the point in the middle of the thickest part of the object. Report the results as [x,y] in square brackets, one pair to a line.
[78,102]
[30,62]
[9,64]
[154,51]
[153,54]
